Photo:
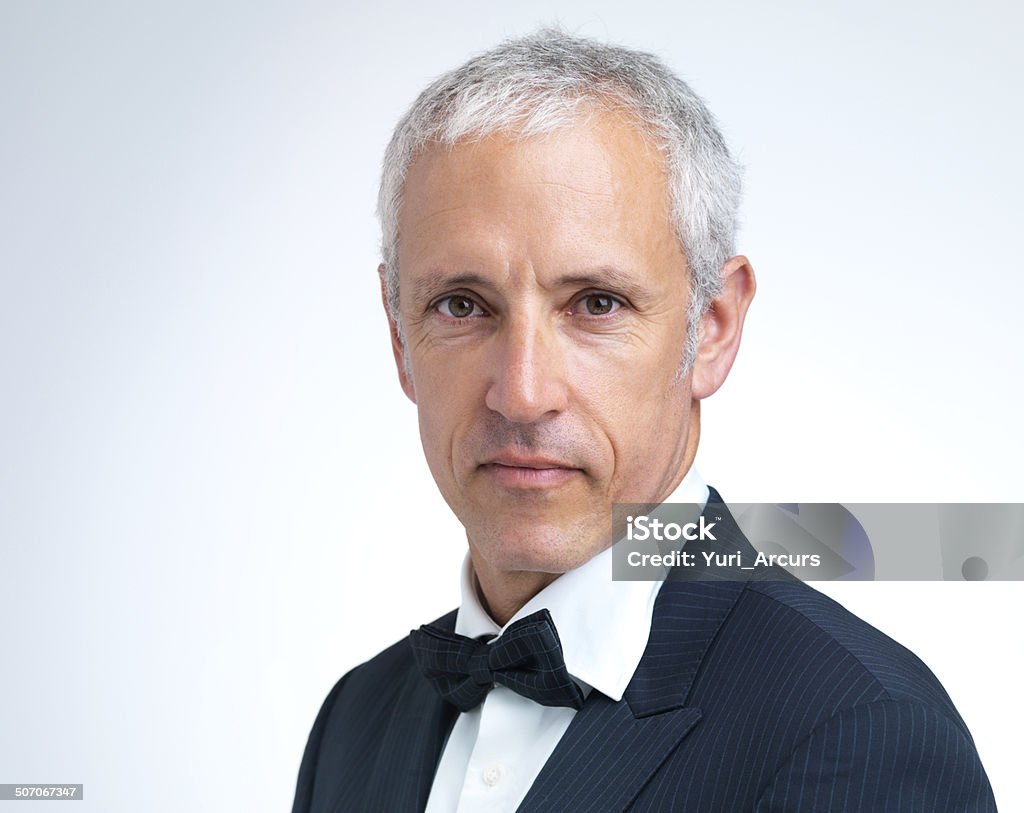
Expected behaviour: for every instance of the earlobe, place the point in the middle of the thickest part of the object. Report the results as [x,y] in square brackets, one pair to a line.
[722,327]
[397,347]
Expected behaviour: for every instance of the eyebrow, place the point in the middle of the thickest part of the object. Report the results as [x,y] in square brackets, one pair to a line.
[609,278]
[434,282]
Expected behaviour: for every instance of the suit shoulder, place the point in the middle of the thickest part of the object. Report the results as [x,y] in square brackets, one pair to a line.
[362,700]
[887,669]
[388,669]
[343,746]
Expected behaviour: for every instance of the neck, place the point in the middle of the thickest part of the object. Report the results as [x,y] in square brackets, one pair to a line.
[504,594]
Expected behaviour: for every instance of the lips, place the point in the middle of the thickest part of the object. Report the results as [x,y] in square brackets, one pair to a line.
[529,471]
[527,462]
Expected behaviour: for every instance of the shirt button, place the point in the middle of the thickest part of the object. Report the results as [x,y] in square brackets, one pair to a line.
[492,776]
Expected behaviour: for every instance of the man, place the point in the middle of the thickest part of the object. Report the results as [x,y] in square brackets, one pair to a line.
[562,292]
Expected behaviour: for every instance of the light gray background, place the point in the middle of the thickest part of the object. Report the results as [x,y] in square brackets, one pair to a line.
[212,498]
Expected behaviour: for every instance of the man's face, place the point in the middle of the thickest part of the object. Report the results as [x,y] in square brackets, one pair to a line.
[544,298]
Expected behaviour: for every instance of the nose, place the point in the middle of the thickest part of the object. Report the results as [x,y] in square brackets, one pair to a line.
[528,379]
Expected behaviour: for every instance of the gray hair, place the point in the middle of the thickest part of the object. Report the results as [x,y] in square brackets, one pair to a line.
[543,82]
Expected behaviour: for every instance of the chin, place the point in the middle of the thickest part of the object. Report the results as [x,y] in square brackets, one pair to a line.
[539,549]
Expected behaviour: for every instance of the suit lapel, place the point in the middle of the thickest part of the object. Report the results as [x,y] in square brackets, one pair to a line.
[606,756]
[611,750]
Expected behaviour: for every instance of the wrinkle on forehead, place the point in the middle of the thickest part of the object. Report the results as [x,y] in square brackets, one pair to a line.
[575,199]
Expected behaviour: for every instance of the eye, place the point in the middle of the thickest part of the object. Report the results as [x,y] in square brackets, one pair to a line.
[457,307]
[599,304]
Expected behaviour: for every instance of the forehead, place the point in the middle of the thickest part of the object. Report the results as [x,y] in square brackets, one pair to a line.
[598,181]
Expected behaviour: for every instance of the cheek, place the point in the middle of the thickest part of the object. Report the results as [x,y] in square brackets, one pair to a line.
[445,406]
[637,402]
[620,380]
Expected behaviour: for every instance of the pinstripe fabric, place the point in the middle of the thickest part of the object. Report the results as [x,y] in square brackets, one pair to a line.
[760,696]
[527,658]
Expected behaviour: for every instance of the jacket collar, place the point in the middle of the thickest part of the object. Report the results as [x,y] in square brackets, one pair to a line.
[691,607]
[654,716]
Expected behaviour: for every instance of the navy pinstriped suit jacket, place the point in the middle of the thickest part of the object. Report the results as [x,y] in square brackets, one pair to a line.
[757,696]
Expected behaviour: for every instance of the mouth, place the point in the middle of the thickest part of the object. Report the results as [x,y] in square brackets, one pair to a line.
[528,472]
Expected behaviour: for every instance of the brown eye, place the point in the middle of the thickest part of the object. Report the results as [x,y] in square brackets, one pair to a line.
[458,306]
[599,304]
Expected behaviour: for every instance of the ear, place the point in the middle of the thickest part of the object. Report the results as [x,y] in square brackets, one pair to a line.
[722,326]
[404,378]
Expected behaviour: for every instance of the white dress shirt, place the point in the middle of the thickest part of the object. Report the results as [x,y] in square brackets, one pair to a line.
[496,751]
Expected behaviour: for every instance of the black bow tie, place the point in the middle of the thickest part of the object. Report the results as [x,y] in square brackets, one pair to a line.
[527,658]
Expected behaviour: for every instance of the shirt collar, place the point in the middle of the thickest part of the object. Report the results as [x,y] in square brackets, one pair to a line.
[603,624]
